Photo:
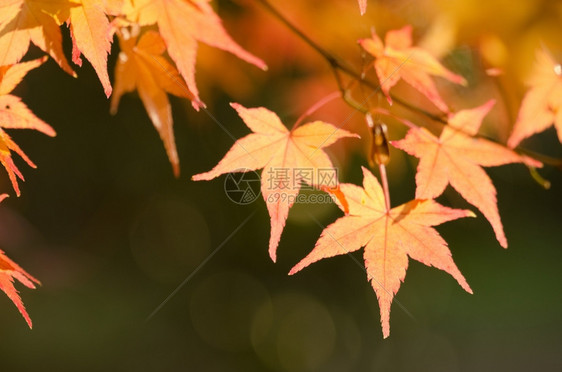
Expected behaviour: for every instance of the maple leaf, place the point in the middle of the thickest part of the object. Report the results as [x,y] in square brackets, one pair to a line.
[141,66]
[398,59]
[22,21]
[14,114]
[389,238]
[12,75]
[282,154]
[91,37]
[363,6]
[182,23]
[9,271]
[542,105]
[456,158]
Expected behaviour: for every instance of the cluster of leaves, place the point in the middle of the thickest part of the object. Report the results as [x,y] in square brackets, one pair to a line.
[14,114]
[158,42]
[146,29]
[455,157]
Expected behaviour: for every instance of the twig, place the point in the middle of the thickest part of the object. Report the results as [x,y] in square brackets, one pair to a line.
[338,65]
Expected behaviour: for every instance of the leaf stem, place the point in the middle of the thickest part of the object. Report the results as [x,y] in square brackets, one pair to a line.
[538,178]
[345,92]
[316,106]
[408,123]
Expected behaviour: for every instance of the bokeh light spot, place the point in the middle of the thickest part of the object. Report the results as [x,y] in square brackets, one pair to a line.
[298,334]
[169,239]
[223,306]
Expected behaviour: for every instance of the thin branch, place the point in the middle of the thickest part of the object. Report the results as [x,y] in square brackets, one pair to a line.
[345,92]
[327,55]
[406,122]
[545,159]
[339,65]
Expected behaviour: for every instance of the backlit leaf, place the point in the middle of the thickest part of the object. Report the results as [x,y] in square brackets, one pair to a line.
[9,271]
[182,25]
[141,66]
[14,114]
[283,155]
[397,59]
[457,158]
[389,238]
[542,105]
[22,21]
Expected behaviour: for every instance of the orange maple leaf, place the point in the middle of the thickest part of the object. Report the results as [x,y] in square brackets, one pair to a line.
[542,105]
[22,21]
[282,154]
[91,36]
[141,66]
[182,23]
[38,21]
[398,59]
[456,157]
[389,237]
[14,114]
[9,271]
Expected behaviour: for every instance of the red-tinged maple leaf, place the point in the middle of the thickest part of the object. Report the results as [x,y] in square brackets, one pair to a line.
[542,105]
[141,66]
[22,21]
[456,158]
[14,114]
[363,6]
[91,37]
[9,271]
[288,158]
[398,59]
[182,23]
[389,238]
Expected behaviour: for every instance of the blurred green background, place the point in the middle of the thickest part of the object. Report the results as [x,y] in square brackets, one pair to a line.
[110,233]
